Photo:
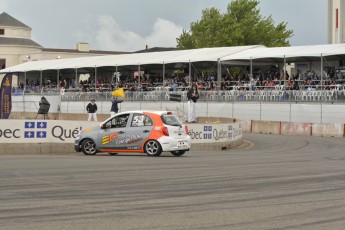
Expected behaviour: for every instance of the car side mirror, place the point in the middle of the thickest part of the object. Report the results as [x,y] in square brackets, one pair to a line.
[103,126]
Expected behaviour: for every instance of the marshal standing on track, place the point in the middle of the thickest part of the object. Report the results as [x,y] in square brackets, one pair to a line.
[192,96]
[91,108]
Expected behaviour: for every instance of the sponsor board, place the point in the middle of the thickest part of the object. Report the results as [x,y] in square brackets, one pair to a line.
[41,131]
[52,131]
[201,133]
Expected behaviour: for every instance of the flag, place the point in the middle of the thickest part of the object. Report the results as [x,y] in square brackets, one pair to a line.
[118,93]
[6,96]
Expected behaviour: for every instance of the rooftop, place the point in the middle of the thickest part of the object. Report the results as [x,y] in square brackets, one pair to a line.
[7,20]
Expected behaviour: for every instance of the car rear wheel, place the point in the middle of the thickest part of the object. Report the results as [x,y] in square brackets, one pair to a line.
[153,148]
[88,147]
[178,153]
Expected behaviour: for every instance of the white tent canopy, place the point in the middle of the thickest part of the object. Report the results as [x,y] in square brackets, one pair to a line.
[180,56]
[288,52]
[223,54]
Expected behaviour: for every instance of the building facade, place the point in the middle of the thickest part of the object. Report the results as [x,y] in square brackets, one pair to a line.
[16,45]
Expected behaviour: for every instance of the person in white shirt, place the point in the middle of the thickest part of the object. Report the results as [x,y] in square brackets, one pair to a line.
[192,97]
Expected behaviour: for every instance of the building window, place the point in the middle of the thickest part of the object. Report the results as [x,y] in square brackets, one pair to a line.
[2,63]
[2,31]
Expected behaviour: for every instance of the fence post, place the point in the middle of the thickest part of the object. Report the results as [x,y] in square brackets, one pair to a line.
[321,112]
[260,110]
[290,111]
[233,108]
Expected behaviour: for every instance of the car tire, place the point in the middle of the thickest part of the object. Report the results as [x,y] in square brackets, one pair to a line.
[153,148]
[88,147]
[178,153]
[113,154]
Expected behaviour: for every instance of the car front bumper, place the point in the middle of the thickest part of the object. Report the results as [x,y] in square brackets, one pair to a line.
[77,145]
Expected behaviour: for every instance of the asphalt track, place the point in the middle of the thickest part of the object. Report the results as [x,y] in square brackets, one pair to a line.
[270,182]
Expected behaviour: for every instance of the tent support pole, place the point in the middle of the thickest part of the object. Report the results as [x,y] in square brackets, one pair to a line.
[284,70]
[321,72]
[139,85]
[76,78]
[190,74]
[251,72]
[57,79]
[24,91]
[116,73]
[95,78]
[163,74]
[41,79]
[219,74]
[24,80]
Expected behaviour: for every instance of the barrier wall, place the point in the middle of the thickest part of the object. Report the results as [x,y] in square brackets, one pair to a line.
[295,128]
[57,136]
[266,127]
[268,111]
[328,130]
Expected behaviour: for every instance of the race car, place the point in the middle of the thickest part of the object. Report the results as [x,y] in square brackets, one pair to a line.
[150,132]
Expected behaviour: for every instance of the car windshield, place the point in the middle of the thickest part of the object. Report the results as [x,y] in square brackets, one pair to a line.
[171,120]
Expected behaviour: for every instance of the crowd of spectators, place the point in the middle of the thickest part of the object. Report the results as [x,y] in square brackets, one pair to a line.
[241,80]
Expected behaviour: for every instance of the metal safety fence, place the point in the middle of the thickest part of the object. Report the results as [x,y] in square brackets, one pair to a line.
[220,96]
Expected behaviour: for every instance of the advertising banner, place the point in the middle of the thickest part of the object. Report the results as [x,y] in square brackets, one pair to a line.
[6,96]
[54,131]
[41,131]
[212,133]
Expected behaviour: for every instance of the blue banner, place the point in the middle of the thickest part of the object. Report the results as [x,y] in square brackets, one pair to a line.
[6,96]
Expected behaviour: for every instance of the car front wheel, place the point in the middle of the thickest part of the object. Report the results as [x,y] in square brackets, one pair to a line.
[153,148]
[178,153]
[88,147]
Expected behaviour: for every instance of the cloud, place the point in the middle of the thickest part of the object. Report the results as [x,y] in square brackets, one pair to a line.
[111,36]
[164,34]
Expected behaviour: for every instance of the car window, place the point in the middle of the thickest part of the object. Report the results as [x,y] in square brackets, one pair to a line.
[171,120]
[119,121]
[140,120]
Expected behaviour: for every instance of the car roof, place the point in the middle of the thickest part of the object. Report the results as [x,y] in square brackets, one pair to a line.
[162,112]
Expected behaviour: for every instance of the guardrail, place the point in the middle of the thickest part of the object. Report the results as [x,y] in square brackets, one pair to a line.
[221,96]
[208,96]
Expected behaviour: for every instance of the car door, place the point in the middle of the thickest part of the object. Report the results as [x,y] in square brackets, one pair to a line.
[139,130]
[112,135]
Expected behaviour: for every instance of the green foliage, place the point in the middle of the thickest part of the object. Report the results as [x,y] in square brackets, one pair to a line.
[178,72]
[234,71]
[241,25]
[207,72]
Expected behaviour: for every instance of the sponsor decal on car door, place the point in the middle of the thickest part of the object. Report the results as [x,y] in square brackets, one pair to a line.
[139,130]
[113,136]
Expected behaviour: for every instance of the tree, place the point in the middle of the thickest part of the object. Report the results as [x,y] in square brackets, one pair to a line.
[242,24]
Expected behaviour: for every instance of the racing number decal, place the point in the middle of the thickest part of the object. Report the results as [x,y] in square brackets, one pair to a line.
[138,120]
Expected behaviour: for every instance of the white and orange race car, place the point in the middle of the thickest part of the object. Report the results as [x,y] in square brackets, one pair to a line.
[150,132]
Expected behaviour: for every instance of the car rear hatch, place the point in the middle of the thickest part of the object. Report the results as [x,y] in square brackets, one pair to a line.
[175,127]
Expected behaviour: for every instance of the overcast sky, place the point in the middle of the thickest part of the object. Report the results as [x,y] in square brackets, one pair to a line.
[130,25]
